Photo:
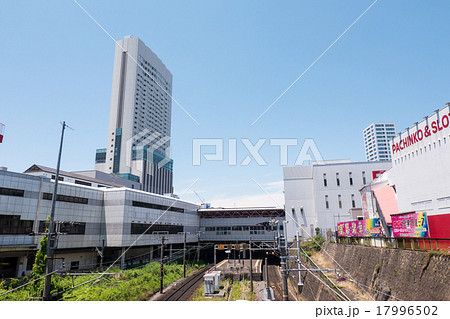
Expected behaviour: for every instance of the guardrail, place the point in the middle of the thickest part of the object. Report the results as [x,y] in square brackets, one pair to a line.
[408,243]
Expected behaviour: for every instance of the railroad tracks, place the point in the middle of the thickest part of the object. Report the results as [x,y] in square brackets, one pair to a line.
[275,282]
[185,288]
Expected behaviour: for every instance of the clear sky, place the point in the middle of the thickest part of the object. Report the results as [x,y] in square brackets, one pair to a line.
[230,61]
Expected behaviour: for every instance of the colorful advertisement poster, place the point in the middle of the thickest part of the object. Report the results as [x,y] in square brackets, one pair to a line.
[410,225]
[360,228]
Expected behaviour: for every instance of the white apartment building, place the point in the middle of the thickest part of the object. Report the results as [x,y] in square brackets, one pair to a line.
[138,145]
[325,193]
[376,141]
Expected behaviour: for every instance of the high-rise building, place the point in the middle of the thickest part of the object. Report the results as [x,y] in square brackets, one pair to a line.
[376,141]
[138,146]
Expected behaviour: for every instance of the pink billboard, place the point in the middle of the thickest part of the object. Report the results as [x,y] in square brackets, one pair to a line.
[360,228]
[410,225]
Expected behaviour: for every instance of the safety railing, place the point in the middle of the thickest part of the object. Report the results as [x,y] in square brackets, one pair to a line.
[408,243]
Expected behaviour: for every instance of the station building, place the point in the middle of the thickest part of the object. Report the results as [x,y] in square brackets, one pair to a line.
[92,220]
[326,193]
[239,224]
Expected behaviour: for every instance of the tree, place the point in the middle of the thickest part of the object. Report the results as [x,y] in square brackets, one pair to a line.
[41,258]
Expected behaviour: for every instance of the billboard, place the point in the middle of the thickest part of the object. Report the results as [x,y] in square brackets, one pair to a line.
[410,225]
[360,228]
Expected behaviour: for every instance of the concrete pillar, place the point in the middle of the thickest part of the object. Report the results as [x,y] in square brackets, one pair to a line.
[170,251]
[122,258]
[151,253]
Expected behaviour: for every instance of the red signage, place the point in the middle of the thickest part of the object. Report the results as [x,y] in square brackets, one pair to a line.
[436,126]
[375,174]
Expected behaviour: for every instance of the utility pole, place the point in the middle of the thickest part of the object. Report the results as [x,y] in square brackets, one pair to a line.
[284,258]
[215,248]
[161,277]
[184,256]
[51,235]
[267,280]
[300,283]
[251,267]
[198,247]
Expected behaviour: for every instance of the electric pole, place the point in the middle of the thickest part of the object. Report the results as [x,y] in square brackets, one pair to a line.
[184,256]
[284,258]
[51,235]
[161,277]
[300,283]
[269,296]
[251,267]
[198,247]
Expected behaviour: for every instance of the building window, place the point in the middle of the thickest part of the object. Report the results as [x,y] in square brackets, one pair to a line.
[156,206]
[74,265]
[340,201]
[327,204]
[353,201]
[11,192]
[364,177]
[338,183]
[69,228]
[350,178]
[13,225]
[65,198]
[325,180]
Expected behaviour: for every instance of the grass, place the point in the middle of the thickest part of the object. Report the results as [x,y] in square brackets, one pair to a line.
[133,284]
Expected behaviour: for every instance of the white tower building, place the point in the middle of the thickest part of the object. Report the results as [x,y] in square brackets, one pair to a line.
[376,141]
[138,146]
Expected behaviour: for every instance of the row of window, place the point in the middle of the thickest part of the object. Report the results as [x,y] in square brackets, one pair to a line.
[422,150]
[13,225]
[11,192]
[66,198]
[156,206]
[338,180]
[69,228]
[327,203]
[241,228]
[140,228]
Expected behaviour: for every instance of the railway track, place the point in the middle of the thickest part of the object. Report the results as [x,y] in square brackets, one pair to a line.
[275,282]
[184,289]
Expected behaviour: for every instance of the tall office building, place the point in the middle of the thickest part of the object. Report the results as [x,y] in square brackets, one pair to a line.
[376,141]
[138,146]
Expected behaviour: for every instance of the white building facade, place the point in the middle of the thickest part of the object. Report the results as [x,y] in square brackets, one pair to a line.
[377,137]
[421,170]
[138,145]
[325,194]
[239,224]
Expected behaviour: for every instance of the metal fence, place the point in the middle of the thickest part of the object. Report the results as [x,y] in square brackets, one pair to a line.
[409,243]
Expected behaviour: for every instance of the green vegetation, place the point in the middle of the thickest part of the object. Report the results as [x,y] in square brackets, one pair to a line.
[41,257]
[241,291]
[313,244]
[395,272]
[133,284]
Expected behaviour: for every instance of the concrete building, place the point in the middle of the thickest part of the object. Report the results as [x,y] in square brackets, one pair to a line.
[138,145]
[92,218]
[87,178]
[326,193]
[376,141]
[238,224]
[419,180]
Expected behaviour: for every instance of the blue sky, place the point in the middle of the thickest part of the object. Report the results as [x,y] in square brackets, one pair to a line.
[229,60]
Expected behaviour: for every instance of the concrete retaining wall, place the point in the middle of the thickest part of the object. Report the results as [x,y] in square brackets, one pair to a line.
[402,274]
